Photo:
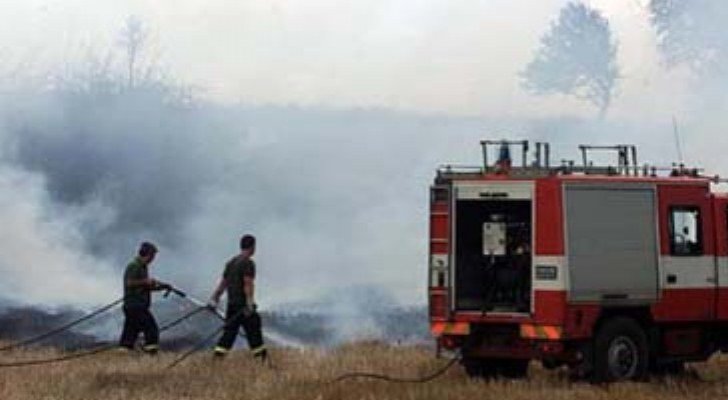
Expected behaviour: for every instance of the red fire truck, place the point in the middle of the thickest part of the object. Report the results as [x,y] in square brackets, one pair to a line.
[613,271]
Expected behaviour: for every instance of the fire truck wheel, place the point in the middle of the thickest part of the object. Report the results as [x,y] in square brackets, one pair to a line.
[620,351]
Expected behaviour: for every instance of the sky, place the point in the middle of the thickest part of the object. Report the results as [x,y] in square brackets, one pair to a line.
[456,58]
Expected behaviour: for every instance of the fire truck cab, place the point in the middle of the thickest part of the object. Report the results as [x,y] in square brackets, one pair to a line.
[613,271]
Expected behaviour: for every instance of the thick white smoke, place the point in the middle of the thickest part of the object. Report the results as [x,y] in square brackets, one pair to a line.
[44,262]
[336,197]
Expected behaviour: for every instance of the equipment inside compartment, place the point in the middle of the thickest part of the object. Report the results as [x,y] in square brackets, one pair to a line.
[493,255]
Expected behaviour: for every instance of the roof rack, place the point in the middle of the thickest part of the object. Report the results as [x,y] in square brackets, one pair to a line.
[540,163]
[625,166]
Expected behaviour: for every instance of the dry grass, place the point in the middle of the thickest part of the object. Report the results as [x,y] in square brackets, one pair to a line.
[303,375]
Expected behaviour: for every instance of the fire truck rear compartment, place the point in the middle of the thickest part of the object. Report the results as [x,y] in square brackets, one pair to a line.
[493,255]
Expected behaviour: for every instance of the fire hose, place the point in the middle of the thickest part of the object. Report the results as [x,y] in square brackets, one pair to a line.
[199,307]
[387,378]
[69,325]
[209,337]
[62,328]
[347,376]
[97,350]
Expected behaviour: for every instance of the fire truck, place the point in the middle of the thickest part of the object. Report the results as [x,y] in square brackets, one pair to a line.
[613,271]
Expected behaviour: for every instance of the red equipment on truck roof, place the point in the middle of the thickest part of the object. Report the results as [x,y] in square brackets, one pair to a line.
[614,271]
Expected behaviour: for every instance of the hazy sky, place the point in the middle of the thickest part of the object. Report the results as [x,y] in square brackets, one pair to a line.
[430,56]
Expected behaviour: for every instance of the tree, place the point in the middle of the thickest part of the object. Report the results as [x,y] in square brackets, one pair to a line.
[691,32]
[133,37]
[577,57]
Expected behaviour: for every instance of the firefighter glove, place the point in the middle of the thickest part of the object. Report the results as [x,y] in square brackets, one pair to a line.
[212,303]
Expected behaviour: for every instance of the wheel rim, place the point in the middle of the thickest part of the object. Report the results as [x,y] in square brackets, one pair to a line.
[623,357]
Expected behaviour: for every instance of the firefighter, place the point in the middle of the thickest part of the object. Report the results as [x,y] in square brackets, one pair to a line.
[239,281]
[137,300]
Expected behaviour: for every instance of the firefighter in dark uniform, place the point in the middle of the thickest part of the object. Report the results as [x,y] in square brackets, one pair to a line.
[239,281]
[137,300]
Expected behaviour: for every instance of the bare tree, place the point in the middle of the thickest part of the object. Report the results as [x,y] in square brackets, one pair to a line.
[577,57]
[93,73]
[691,32]
[106,73]
[133,37]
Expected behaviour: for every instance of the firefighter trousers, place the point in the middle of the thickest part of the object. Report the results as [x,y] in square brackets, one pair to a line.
[251,324]
[139,320]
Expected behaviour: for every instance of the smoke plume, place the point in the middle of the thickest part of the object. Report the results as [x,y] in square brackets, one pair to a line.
[92,163]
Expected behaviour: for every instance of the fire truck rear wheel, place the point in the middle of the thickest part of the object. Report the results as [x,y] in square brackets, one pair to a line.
[620,351]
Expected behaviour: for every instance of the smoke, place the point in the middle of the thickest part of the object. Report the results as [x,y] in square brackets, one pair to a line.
[147,162]
[332,204]
[338,198]
[44,262]
[369,313]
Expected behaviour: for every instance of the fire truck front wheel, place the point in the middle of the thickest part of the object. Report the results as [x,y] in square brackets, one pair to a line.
[620,351]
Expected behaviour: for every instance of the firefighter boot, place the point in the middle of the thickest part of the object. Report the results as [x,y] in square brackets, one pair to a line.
[220,352]
[261,354]
[123,350]
[151,349]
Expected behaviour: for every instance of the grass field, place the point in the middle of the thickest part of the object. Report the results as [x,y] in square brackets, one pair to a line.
[304,375]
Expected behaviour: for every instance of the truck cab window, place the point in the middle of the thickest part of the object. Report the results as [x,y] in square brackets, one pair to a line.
[685,231]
